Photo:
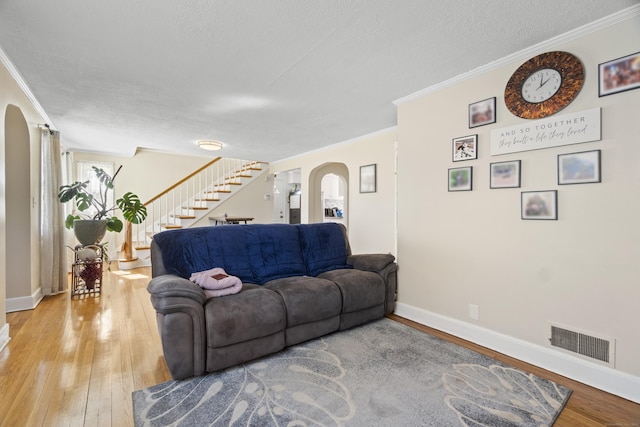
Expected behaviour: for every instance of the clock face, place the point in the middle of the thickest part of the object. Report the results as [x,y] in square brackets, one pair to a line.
[541,85]
[544,85]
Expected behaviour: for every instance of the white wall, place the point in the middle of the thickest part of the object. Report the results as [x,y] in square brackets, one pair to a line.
[12,94]
[461,248]
[146,174]
[248,201]
[371,216]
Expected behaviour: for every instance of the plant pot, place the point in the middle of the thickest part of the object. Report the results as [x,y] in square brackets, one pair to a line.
[89,231]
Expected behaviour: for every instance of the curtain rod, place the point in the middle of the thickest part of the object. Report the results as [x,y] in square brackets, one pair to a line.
[47,127]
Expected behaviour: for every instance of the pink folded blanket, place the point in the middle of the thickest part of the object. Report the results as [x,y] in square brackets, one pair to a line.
[216,282]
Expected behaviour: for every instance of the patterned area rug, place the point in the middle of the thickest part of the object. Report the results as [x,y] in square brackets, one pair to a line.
[380,374]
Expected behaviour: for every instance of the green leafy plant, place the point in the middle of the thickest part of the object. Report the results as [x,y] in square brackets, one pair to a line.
[132,208]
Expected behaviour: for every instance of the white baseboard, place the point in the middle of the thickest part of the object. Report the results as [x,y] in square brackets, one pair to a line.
[4,336]
[592,374]
[24,303]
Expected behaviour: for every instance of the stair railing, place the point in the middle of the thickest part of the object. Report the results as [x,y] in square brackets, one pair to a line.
[199,191]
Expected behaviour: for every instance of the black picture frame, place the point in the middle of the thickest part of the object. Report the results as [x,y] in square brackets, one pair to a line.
[482,112]
[465,148]
[368,178]
[539,205]
[619,75]
[579,168]
[460,179]
[505,174]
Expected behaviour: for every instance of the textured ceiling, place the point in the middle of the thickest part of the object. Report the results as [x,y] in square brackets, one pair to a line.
[268,78]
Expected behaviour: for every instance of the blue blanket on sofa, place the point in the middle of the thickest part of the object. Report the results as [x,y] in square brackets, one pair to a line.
[256,253]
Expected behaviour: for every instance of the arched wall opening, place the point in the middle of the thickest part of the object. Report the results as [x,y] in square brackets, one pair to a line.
[316,202]
[17,198]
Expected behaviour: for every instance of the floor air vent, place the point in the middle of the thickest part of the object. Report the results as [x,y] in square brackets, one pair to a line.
[586,345]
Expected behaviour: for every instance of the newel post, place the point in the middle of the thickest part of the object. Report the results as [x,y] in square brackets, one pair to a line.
[128,242]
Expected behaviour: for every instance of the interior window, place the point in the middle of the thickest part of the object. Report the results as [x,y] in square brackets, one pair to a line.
[85,173]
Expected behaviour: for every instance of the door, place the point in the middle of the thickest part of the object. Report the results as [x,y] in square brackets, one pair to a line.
[279,200]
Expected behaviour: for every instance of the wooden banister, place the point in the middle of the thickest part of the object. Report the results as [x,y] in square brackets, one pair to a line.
[177,184]
[185,200]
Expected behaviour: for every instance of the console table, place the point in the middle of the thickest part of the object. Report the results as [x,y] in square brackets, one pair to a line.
[230,219]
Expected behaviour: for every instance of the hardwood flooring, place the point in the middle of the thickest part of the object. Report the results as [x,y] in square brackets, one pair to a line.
[76,361]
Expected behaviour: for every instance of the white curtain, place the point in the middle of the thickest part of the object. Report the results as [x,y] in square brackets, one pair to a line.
[53,265]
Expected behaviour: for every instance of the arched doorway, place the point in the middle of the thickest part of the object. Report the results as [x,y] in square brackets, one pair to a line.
[335,194]
[17,190]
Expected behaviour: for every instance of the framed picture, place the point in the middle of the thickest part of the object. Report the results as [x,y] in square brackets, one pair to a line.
[579,168]
[482,112]
[619,75]
[460,179]
[539,204]
[368,179]
[465,148]
[505,174]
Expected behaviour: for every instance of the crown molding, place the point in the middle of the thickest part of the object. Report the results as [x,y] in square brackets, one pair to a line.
[13,71]
[524,54]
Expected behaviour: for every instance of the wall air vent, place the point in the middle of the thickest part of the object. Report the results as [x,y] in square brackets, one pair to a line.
[583,344]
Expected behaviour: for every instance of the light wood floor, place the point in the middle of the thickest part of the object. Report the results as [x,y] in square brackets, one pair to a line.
[74,362]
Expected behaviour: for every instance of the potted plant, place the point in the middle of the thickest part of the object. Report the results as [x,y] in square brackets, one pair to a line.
[90,273]
[90,229]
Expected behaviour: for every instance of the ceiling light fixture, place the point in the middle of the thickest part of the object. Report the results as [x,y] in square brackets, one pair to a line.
[210,145]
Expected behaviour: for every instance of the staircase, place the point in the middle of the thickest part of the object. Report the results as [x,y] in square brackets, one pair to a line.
[188,201]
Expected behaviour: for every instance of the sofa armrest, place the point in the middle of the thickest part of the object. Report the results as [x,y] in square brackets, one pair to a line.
[179,306]
[169,285]
[370,262]
[384,265]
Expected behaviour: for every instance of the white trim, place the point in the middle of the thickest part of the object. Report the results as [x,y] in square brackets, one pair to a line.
[13,71]
[4,336]
[525,54]
[24,303]
[604,378]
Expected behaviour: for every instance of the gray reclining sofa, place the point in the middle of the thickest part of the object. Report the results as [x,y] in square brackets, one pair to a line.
[299,282]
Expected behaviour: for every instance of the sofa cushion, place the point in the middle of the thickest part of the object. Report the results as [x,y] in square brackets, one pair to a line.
[275,252]
[190,250]
[253,313]
[324,247]
[307,299]
[360,289]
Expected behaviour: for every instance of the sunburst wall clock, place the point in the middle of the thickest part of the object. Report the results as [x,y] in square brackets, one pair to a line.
[544,85]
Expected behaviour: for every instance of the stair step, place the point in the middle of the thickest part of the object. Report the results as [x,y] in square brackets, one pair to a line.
[210,188]
[170,226]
